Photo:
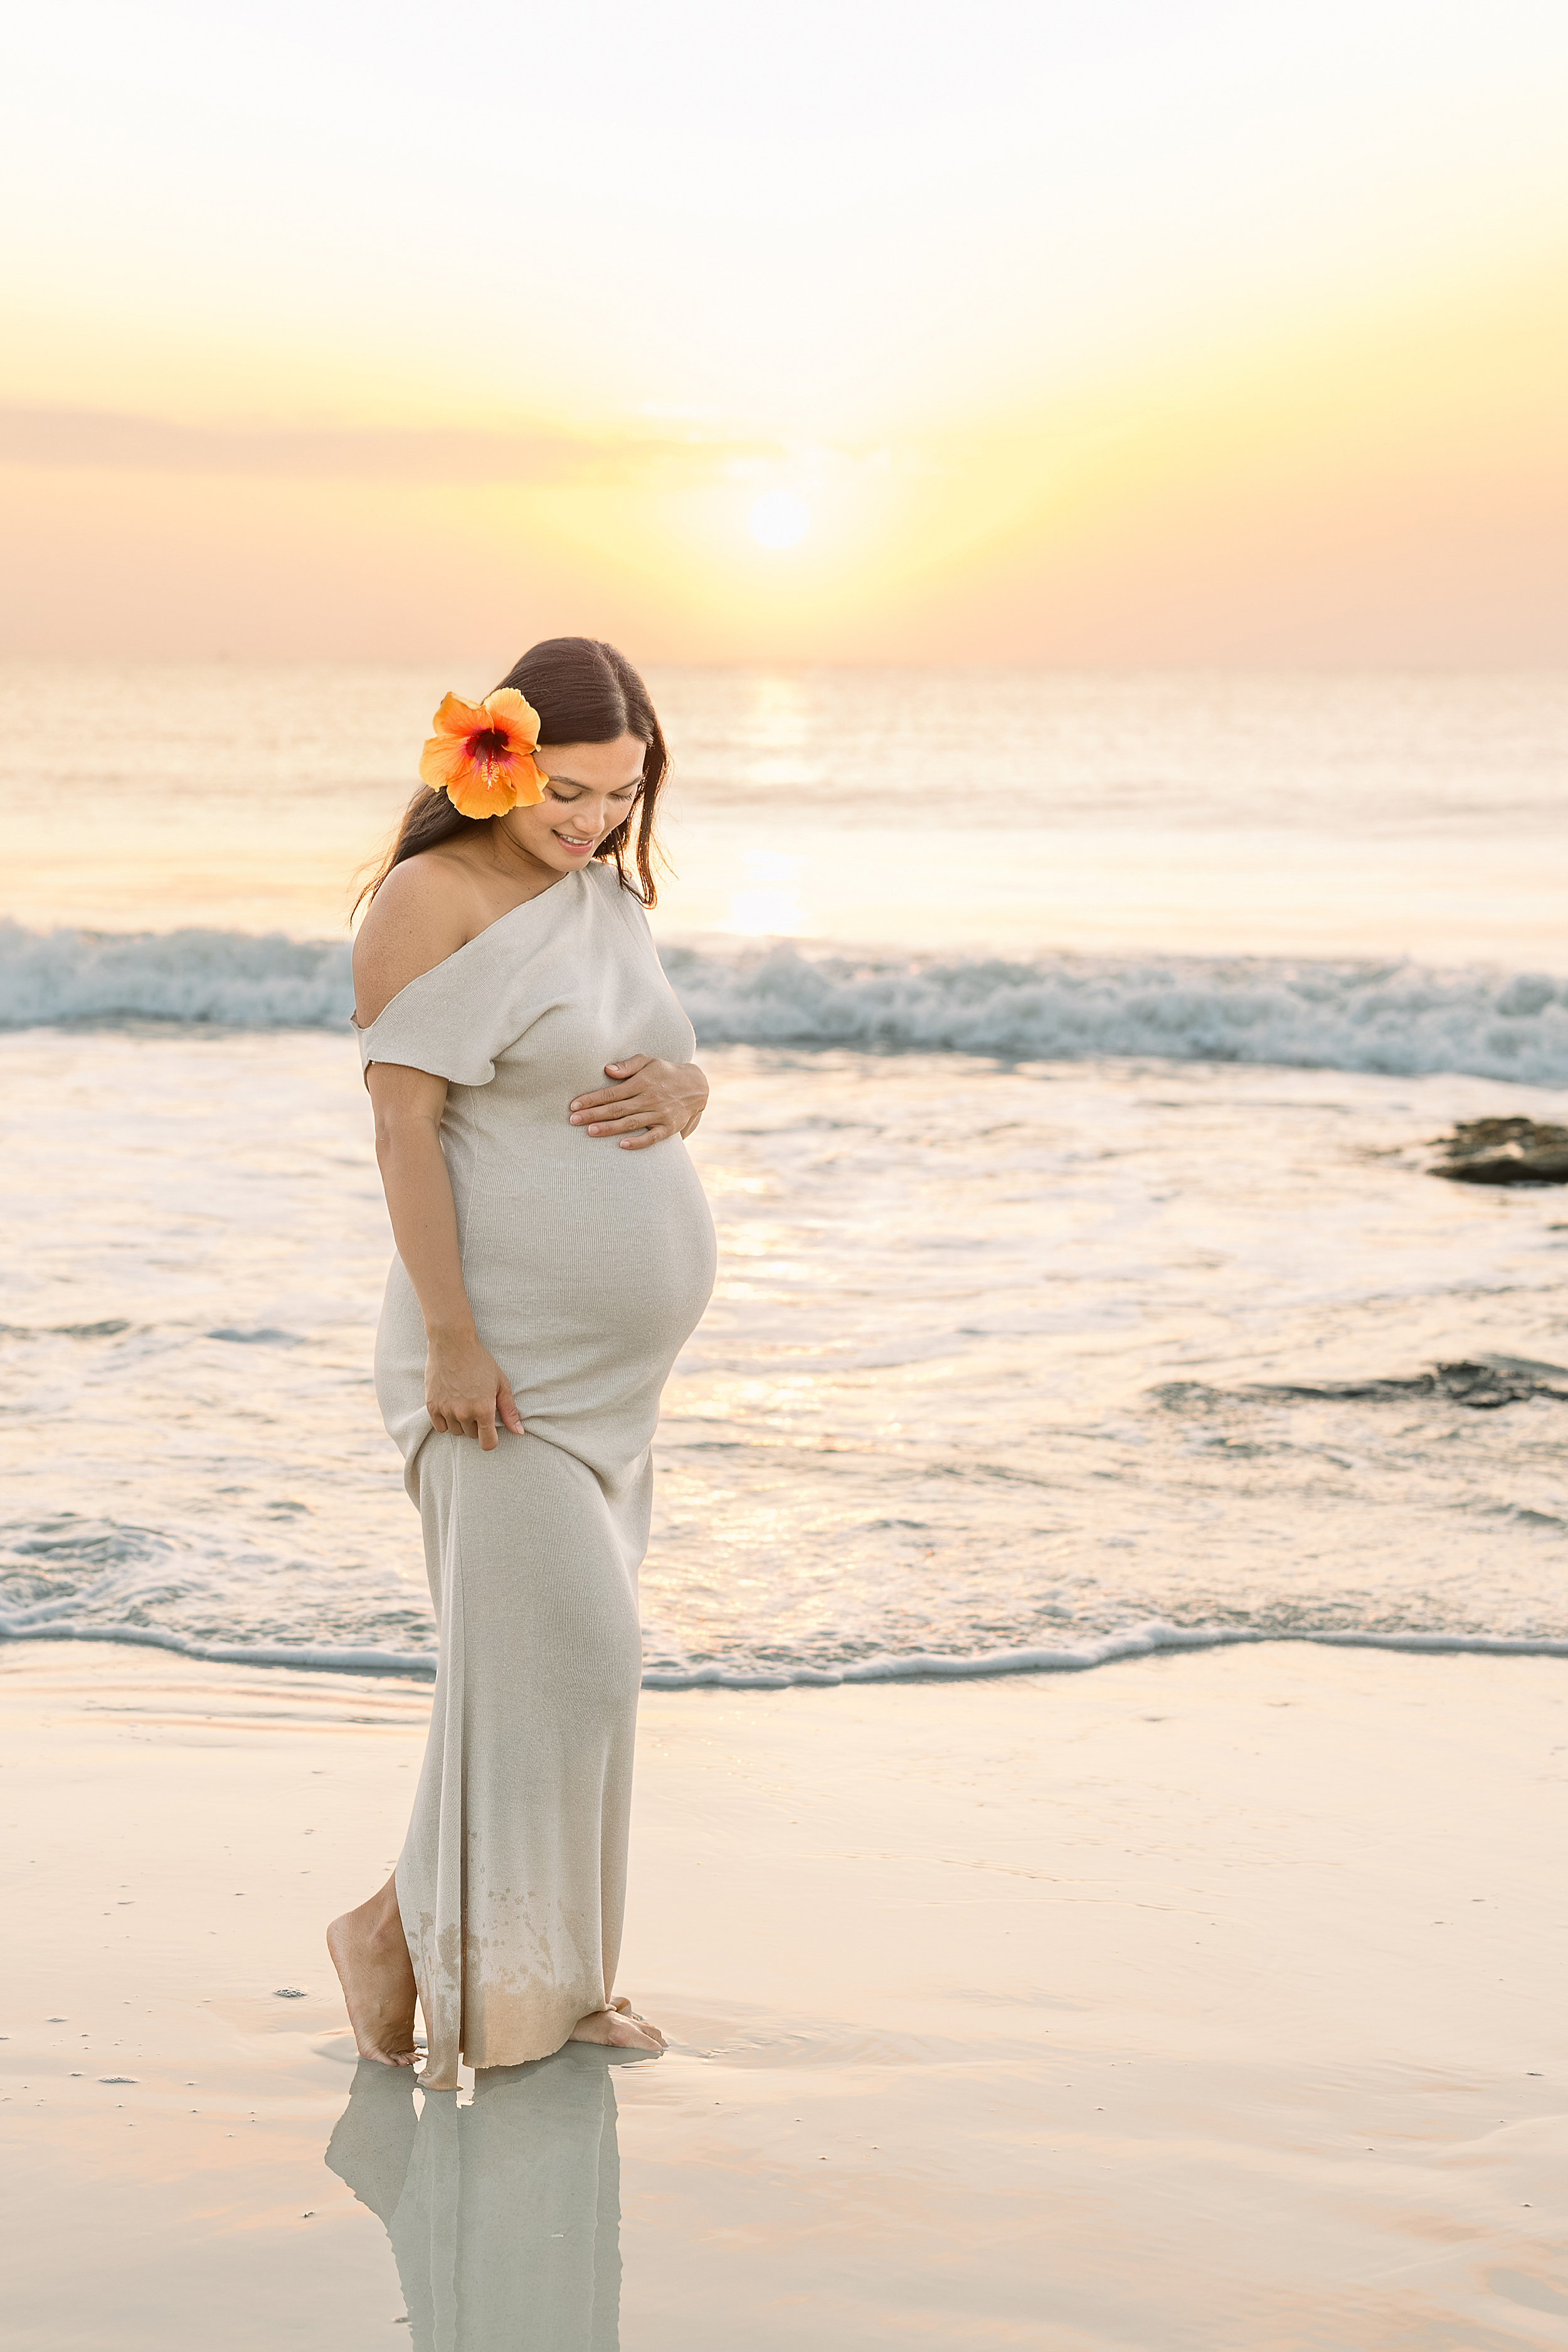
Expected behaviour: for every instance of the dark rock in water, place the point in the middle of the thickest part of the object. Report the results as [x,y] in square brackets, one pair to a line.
[1494,1380]
[1482,1386]
[1483,1383]
[1503,1151]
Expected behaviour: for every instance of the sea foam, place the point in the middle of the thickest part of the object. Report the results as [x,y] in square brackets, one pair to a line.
[1150,1639]
[1397,1018]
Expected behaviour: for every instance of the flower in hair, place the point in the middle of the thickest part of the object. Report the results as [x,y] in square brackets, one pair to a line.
[481,754]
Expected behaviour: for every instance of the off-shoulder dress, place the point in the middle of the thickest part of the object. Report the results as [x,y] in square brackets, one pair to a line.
[587,1267]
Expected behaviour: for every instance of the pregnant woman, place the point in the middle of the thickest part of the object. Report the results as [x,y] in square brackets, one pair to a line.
[555,1250]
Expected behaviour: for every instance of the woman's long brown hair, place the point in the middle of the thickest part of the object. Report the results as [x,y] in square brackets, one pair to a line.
[584,692]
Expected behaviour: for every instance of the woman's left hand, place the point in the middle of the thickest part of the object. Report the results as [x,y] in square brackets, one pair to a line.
[648,1102]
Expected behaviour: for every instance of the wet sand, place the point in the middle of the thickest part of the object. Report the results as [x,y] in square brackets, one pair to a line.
[1208,2002]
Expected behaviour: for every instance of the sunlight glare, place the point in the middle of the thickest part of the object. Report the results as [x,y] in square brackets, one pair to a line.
[769,906]
[780,519]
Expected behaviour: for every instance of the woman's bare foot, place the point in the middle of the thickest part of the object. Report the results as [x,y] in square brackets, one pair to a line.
[370,1954]
[619,2026]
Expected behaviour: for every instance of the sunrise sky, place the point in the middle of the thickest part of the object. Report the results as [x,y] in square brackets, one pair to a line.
[1159,331]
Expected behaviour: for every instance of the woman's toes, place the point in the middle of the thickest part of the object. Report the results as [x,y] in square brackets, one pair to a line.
[617,2026]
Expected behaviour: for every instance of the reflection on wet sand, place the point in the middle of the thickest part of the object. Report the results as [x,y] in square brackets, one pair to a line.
[504,2216]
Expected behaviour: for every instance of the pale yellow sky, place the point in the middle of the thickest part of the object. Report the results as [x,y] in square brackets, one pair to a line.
[1181,332]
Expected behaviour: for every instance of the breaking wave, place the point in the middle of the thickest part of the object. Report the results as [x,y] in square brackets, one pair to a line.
[238,980]
[1397,1018]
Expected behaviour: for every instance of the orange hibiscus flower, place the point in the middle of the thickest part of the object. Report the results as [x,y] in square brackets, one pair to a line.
[481,754]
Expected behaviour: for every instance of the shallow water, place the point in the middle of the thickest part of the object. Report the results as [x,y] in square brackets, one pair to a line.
[1072,1296]
[1001,1360]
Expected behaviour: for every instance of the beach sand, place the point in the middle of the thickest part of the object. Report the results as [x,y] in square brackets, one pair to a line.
[1208,2001]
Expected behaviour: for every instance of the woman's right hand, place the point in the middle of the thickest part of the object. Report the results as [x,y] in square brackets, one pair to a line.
[466,1391]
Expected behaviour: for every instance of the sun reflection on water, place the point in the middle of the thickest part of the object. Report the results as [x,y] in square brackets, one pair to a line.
[769,906]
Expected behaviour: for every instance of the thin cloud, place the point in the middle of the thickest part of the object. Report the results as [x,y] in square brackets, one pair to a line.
[539,457]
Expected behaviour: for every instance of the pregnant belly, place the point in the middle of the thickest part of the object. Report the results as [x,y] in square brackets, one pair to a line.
[586,1287]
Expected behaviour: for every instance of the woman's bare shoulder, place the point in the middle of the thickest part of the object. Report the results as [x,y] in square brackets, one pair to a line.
[422,914]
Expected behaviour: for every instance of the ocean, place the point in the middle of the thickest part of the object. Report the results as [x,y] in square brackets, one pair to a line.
[1078,1045]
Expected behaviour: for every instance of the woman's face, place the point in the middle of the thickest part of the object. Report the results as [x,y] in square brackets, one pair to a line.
[591,788]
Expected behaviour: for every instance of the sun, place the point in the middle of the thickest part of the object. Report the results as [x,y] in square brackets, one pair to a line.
[780,519]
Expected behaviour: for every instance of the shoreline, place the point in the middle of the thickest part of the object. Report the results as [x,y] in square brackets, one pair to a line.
[1210,2005]
[919,1668]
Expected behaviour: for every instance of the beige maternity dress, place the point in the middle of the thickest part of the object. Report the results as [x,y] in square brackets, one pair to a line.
[587,1266]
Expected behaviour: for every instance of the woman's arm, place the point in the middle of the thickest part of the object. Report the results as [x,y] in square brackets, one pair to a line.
[650,1101]
[420,916]
[466,1391]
